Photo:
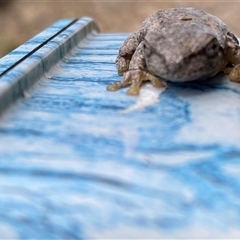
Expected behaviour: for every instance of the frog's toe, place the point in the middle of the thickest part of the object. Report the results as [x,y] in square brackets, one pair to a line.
[133,90]
[114,87]
[234,74]
[117,85]
[156,82]
[131,77]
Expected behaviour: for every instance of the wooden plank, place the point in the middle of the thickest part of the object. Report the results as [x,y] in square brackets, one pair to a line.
[26,71]
[79,162]
[18,54]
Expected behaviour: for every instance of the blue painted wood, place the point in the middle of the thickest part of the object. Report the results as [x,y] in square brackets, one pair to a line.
[65,37]
[19,53]
[79,162]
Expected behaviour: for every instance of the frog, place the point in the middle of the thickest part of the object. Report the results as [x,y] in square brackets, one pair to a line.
[177,45]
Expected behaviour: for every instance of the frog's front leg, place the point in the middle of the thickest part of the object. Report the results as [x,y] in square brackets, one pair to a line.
[135,78]
[136,74]
[125,53]
[233,56]
[233,73]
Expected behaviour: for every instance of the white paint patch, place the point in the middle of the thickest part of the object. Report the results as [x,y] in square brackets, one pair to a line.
[170,159]
[7,232]
[149,95]
[215,118]
[191,232]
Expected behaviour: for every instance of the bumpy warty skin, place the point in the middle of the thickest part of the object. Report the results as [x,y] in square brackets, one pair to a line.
[180,44]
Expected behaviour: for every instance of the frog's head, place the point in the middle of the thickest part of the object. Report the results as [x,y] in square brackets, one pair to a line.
[182,53]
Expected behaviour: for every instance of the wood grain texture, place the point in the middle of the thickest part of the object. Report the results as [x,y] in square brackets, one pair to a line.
[74,164]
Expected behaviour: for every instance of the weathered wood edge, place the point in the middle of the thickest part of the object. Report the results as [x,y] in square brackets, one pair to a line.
[23,75]
[18,55]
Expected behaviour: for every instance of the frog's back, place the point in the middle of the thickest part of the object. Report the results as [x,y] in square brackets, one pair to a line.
[184,17]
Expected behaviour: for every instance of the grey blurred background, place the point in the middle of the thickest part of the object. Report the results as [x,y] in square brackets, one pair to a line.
[21,20]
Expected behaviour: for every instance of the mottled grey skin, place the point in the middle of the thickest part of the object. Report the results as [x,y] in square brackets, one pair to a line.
[179,44]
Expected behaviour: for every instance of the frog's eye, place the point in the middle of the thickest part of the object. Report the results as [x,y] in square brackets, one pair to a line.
[146,44]
[212,48]
[148,50]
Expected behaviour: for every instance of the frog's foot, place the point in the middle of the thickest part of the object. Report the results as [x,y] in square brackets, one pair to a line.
[234,73]
[227,70]
[135,79]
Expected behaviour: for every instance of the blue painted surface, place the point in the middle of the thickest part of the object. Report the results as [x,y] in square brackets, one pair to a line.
[16,82]
[20,52]
[75,164]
